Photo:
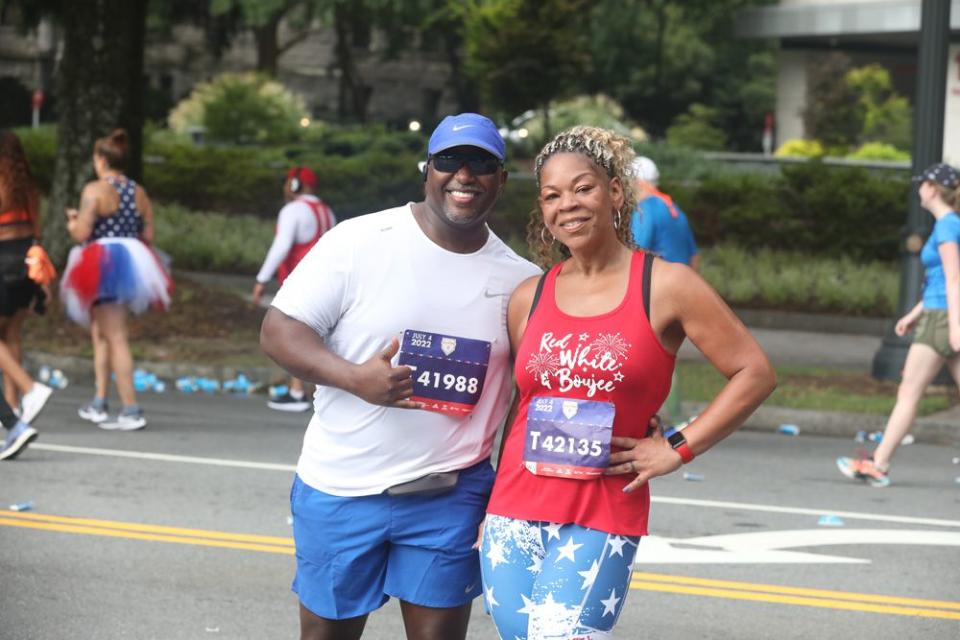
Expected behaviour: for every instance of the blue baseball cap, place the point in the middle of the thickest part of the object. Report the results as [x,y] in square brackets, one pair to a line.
[470,129]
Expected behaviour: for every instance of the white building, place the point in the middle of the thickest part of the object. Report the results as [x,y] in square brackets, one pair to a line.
[869,31]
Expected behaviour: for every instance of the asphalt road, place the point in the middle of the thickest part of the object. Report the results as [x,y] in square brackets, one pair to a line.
[180,531]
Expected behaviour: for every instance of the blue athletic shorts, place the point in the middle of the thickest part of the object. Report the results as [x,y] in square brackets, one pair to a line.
[354,553]
[544,581]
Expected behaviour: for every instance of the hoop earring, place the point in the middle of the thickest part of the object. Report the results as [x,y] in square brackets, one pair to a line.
[619,219]
[543,238]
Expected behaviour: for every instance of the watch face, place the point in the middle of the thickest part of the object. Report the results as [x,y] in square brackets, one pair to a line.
[675,438]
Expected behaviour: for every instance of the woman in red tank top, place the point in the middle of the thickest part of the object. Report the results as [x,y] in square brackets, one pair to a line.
[595,341]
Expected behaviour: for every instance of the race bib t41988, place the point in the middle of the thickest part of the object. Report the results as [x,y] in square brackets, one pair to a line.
[568,438]
[448,371]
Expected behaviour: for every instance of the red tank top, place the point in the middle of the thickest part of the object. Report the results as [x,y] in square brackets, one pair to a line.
[614,358]
[324,223]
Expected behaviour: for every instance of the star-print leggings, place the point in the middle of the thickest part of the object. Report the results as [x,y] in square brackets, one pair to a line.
[545,581]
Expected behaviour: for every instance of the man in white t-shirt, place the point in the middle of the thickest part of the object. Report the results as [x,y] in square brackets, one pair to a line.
[301,222]
[399,317]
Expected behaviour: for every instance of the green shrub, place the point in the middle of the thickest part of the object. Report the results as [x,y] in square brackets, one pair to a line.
[799,148]
[679,165]
[593,110]
[795,280]
[205,241]
[241,108]
[40,145]
[509,219]
[695,129]
[823,210]
[879,151]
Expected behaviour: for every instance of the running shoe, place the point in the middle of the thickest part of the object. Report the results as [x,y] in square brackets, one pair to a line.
[287,402]
[863,469]
[95,412]
[126,420]
[33,401]
[17,440]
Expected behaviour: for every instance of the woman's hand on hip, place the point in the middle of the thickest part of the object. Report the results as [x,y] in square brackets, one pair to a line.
[647,457]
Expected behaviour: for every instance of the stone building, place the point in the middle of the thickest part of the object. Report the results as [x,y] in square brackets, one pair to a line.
[415,85]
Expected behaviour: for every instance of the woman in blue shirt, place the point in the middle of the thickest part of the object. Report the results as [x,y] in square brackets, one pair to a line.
[936,318]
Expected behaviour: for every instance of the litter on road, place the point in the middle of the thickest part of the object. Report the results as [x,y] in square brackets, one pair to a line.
[830,521]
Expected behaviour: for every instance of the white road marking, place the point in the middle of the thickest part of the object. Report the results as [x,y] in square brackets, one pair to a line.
[764,547]
[165,457]
[851,515]
[687,502]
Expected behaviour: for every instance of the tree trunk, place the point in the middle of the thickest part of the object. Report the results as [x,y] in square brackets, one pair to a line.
[353,96]
[99,88]
[547,125]
[268,46]
[465,89]
[658,60]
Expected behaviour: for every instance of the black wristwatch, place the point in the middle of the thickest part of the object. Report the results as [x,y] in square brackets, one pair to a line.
[679,444]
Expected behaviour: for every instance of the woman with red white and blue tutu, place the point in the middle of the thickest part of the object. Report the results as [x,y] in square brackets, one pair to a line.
[113,270]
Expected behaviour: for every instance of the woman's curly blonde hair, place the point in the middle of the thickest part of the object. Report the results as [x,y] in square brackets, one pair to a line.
[612,153]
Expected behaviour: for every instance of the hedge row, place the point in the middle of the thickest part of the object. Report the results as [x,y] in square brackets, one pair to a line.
[827,210]
[812,208]
[358,170]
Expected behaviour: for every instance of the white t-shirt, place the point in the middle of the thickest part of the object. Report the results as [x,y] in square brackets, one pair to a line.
[366,281]
[296,224]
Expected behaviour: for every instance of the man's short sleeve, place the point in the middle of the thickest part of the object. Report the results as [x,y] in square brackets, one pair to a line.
[315,293]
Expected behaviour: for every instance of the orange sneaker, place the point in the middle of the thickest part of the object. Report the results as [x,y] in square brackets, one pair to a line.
[863,469]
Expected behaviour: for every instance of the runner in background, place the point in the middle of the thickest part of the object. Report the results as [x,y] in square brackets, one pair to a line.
[935,321]
[19,232]
[659,226]
[301,222]
[112,271]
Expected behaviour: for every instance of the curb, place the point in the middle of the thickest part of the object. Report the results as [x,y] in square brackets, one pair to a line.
[813,322]
[929,430]
[77,368]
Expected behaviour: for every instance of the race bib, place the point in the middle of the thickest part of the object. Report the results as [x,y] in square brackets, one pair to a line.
[568,438]
[448,371]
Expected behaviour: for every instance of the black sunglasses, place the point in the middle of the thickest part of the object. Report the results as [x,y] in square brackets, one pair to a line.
[479,165]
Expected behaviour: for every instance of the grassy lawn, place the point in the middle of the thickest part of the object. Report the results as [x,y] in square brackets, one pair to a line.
[816,388]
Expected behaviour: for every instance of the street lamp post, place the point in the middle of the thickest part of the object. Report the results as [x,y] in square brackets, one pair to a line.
[927,149]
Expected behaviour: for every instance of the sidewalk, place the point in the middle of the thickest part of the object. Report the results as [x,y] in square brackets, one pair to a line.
[797,339]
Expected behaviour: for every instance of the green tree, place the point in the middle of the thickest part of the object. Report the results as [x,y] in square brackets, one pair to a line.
[695,129]
[833,114]
[886,115]
[658,57]
[526,53]
[99,86]
[263,18]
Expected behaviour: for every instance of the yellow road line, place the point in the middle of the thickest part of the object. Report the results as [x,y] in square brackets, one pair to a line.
[147,528]
[755,592]
[138,535]
[795,600]
[798,591]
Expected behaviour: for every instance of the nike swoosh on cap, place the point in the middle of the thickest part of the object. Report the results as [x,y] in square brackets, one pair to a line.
[458,127]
